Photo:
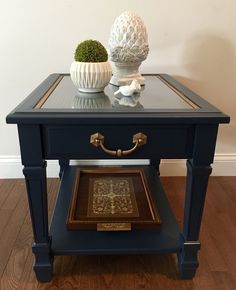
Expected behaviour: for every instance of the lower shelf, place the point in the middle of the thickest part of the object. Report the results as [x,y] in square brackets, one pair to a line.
[67,242]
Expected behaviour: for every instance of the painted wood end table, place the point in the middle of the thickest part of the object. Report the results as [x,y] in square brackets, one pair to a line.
[57,122]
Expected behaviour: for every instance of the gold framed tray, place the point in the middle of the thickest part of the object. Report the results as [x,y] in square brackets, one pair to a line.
[111,199]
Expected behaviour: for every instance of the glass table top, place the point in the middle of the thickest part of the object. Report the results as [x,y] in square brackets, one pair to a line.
[156,94]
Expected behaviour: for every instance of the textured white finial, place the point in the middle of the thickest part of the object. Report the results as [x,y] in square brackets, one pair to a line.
[127,48]
[128,39]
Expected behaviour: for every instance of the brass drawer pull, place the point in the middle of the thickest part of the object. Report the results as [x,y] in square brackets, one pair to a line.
[97,140]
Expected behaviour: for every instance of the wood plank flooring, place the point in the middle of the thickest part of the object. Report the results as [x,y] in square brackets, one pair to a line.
[217,257]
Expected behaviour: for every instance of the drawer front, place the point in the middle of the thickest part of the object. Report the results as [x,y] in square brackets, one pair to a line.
[73,142]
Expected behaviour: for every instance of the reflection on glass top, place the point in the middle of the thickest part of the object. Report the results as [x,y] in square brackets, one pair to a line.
[155,95]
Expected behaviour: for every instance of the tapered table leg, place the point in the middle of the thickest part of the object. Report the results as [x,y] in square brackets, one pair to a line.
[197,180]
[156,164]
[35,178]
[198,172]
[63,164]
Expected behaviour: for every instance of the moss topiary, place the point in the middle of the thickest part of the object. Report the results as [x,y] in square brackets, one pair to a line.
[90,51]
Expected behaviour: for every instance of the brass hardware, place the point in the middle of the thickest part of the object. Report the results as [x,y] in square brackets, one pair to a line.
[182,96]
[107,227]
[97,140]
[192,243]
[44,98]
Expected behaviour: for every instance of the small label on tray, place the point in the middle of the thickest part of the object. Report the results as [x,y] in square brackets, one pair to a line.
[106,227]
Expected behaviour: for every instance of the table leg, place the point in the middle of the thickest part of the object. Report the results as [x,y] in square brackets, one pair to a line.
[156,164]
[35,177]
[198,172]
[197,180]
[63,164]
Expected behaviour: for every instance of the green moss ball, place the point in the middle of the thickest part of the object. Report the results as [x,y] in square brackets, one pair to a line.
[91,51]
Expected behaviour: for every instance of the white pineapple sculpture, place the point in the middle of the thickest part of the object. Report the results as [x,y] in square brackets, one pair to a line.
[127,48]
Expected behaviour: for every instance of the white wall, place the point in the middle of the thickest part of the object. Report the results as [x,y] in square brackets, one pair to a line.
[194,41]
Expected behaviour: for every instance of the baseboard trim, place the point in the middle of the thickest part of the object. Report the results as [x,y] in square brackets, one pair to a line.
[224,165]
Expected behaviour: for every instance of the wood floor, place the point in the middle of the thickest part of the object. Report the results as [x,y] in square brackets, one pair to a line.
[217,256]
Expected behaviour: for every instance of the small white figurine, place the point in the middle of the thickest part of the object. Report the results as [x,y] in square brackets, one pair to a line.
[128,101]
[127,91]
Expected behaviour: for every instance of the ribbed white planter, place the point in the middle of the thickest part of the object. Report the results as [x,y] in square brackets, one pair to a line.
[91,101]
[90,77]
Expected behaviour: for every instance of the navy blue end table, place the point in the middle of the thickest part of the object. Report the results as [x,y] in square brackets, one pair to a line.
[57,122]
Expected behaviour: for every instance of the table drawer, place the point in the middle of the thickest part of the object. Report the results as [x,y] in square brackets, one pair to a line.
[167,141]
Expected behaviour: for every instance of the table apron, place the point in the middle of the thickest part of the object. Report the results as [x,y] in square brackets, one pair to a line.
[73,141]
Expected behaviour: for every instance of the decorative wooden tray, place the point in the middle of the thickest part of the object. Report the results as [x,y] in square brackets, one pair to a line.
[111,199]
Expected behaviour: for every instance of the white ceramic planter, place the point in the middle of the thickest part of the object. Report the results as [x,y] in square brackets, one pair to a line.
[90,77]
[91,101]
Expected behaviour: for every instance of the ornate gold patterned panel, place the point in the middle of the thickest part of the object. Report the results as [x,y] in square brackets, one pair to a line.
[112,197]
